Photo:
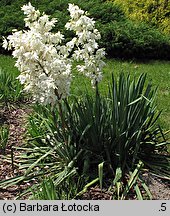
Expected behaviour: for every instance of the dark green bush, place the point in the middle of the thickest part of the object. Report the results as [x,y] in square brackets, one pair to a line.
[128,39]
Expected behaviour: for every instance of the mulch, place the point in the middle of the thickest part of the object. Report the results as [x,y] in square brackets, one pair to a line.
[16,119]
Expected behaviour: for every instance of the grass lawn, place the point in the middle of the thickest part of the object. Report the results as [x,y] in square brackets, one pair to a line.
[157,71]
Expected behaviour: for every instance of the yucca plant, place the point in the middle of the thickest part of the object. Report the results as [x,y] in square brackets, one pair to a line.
[47,190]
[135,131]
[47,154]
[108,139]
[121,130]
[121,126]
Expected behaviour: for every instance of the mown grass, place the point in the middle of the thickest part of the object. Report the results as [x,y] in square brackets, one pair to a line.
[7,64]
[157,71]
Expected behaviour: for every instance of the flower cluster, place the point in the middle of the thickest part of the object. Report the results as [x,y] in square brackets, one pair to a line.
[87,47]
[43,60]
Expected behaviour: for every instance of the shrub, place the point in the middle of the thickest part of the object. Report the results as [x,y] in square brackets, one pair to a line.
[121,37]
[134,40]
[120,130]
[150,11]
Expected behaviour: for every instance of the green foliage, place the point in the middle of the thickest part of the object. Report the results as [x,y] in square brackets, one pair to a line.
[10,87]
[99,137]
[130,40]
[155,12]
[121,37]
[48,191]
[4,135]
[118,128]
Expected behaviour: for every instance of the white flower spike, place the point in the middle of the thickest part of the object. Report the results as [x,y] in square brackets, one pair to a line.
[45,63]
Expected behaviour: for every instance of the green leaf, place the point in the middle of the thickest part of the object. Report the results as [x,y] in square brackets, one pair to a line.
[100,172]
[138,192]
[118,175]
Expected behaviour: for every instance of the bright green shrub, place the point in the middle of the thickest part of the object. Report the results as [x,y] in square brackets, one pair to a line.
[155,12]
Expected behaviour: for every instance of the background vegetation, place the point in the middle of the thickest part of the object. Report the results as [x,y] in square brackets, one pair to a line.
[155,12]
[122,36]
